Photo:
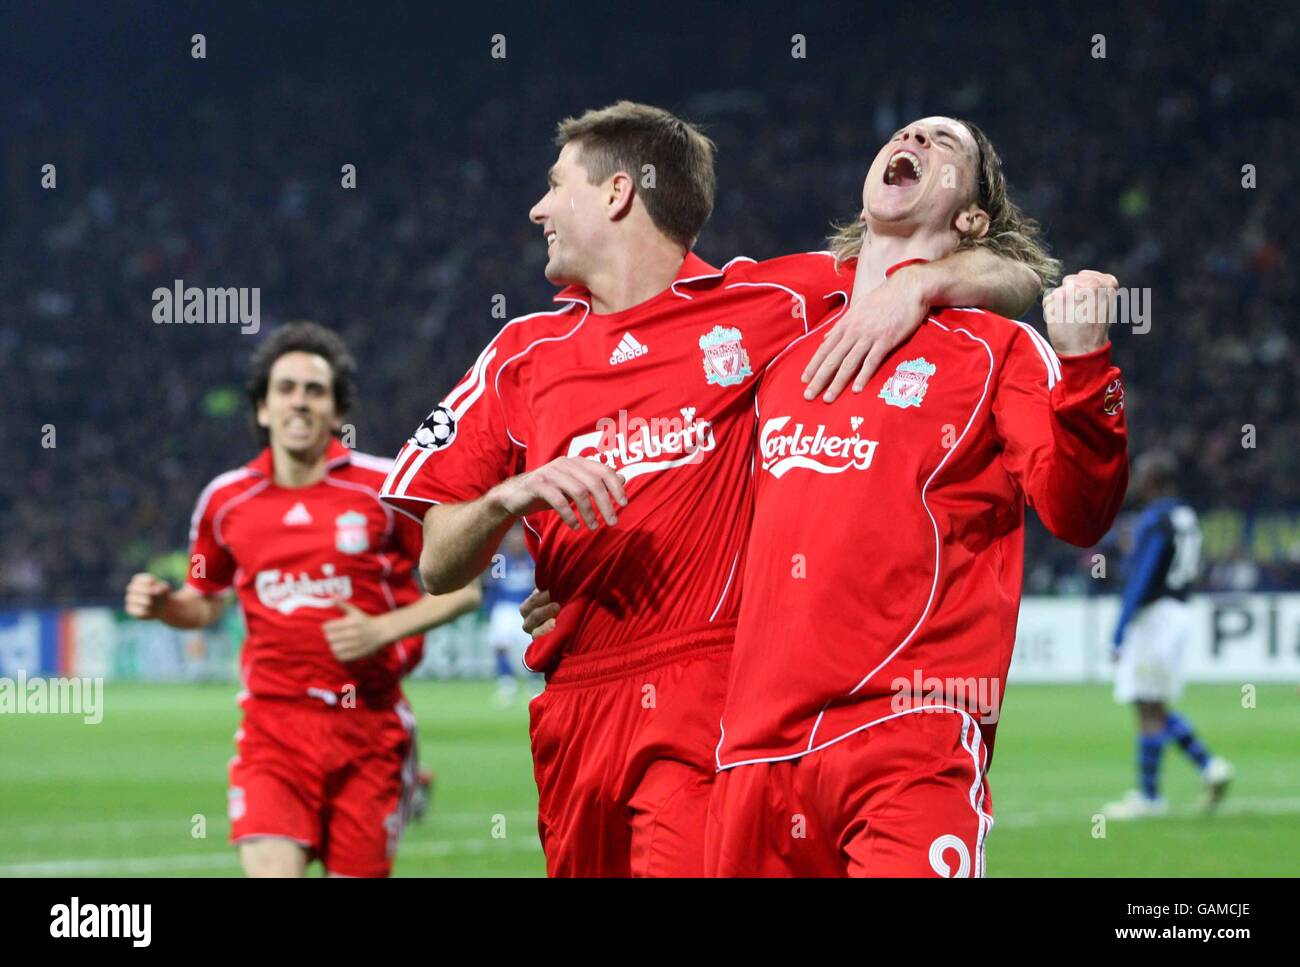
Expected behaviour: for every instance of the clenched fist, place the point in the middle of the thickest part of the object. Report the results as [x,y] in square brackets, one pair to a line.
[146,596]
[1079,313]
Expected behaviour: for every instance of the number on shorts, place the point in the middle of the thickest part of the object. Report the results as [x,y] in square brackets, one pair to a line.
[946,842]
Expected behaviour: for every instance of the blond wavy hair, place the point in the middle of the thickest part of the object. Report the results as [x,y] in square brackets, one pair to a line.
[1012,234]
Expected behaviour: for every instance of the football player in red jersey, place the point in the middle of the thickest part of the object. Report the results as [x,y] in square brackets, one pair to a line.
[884,564]
[618,426]
[325,764]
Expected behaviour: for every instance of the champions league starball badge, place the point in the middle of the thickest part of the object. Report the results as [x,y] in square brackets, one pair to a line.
[437,430]
[726,362]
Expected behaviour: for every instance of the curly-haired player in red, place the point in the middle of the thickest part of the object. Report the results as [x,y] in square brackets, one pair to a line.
[325,763]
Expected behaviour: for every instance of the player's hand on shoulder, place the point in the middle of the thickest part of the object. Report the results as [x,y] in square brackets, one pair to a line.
[1079,312]
[874,325]
[562,485]
[539,613]
[146,596]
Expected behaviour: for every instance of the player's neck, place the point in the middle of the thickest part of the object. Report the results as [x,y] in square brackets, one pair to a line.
[634,273]
[297,470]
[880,253]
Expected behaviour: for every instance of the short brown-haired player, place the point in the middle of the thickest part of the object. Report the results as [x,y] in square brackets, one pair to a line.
[619,427]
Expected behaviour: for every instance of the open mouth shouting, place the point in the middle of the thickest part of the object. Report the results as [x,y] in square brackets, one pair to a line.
[903,170]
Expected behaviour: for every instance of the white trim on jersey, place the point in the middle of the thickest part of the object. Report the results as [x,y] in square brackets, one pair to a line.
[979,764]
[234,502]
[1049,357]
[496,382]
[979,757]
[727,587]
[217,482]
[925,612]
[938,544]
[477,374]
[372,462]
[411,470]
[461,407]
[474,383]
[1045,350]
[828,321]
[371,492]
[803,306]
[739,258]
[695,278]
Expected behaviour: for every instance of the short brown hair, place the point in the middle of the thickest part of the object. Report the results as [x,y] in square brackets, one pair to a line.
[300,337]
[1012,234]
[628,136]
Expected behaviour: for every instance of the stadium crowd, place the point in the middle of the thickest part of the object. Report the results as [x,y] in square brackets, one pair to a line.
[112,424]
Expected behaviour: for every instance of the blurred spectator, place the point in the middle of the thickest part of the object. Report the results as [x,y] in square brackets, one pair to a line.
[1134,166]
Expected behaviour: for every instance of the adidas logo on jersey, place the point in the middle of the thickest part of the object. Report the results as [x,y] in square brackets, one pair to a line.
[627,348]
[297,515]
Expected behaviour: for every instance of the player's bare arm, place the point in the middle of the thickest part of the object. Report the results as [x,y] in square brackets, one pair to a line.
[149,598]
[878,321]
[1079,312]
[460,539]
[358,634]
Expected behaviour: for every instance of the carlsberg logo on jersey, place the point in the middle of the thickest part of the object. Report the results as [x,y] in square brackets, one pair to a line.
[286,593]
[818,451]
[636,446]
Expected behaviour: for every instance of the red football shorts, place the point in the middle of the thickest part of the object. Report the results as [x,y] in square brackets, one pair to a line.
[623,754]
[336,780]
[905,797]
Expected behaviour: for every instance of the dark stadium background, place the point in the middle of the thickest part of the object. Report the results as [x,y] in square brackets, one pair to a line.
[226,172]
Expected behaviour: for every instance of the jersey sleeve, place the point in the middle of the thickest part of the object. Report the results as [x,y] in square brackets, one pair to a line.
[812,277]
[212,568]
[463,448]
[409,537]
[1065,440]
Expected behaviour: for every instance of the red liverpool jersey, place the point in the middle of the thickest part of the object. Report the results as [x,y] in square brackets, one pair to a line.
[885,559]
[290,553]
[662,393]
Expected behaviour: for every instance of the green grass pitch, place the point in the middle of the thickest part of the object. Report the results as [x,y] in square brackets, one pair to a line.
[127,797]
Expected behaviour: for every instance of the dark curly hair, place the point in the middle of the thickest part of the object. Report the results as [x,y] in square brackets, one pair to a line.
[300,337]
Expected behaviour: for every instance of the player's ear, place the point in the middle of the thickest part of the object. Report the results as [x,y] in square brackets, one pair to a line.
[621,191]
[972,222]
[263,418]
